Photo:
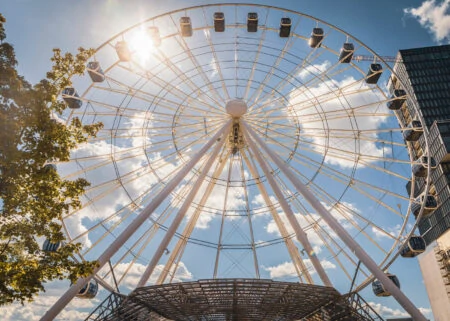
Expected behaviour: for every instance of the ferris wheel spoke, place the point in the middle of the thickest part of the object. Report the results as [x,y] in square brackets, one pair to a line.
[179,248]
[315,81]
[169,87]
[299,265]
[256,94]
[301,235]
[250,224]
[224,208]
[216,60]
[181,214]
[156,98]
[295,71]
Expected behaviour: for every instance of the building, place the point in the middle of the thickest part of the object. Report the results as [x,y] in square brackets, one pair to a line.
[425,72]
[425,75]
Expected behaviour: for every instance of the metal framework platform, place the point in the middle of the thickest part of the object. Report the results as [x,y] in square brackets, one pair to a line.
[234,299]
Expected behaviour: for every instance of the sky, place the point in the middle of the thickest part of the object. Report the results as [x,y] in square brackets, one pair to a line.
[34,28]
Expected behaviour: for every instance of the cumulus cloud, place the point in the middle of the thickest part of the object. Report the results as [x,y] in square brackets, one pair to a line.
[287,269]
[435,17]
[327,111]
[77,309]
[387,312]
[135,271]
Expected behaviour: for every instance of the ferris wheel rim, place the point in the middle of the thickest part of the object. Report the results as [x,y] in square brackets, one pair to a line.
[386,264]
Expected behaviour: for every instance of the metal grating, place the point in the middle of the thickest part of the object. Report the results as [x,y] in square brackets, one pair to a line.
[233,299]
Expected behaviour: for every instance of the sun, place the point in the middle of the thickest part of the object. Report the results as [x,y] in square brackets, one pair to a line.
[143,44]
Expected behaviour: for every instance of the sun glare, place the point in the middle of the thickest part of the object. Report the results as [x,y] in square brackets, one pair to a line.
[142,45]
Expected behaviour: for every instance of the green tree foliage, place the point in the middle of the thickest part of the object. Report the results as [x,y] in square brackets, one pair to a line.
[33,197]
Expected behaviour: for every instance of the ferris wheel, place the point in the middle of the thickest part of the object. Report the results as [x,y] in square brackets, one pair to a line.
[242,141]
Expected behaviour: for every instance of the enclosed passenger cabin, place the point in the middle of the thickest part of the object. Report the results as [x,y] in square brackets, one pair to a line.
[95,71]
[430,205]
[420,166]
[123,52]
[71,97]
[252,22]
[415,246]
[219,22]
[89,291]
[397,99]
[49,168]
[316,38]
[379,289]
[49,246]
[186,26]
[374,73]
[153,33]
[285,27]
[413,131]
[346,54]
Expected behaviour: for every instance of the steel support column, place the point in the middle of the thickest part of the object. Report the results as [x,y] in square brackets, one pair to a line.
[401,298]
[134,225]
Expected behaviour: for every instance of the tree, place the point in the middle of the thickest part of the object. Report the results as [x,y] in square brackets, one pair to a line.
[33,197]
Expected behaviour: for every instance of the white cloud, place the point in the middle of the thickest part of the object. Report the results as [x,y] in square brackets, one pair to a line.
[435,17]
[328,108]
[77,309]
[287,269]
[313,70]
[392,230]
[134,273]
[387,312]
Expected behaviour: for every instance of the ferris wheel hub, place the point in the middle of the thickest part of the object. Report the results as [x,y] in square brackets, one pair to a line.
[236,107]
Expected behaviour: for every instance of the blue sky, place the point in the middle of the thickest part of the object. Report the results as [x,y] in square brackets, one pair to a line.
[36,27]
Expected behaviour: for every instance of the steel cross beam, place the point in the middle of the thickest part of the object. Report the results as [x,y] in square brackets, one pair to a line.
[300,267]
[371,265]
[301,235]
[179,217]
[134,225]
[179,248]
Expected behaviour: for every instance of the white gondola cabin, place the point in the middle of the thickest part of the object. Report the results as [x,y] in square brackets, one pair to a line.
[374,73]
[71,97]
[420,166]
[346,54]
[219,22]
[415,246]
[153,33]
[397,99]
[49,246]
[89,291]
[49,168]
[413,131]
[95,71]
[123,51]
[285,27]
[252,22]
[429,207]
[186,26]
[379,289]
[316,38]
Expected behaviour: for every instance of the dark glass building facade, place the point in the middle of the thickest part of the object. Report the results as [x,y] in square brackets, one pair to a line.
[425,72]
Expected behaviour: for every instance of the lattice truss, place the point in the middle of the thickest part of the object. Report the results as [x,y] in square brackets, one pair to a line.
[234,299]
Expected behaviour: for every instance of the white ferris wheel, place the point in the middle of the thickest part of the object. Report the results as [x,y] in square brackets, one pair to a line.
[242,141]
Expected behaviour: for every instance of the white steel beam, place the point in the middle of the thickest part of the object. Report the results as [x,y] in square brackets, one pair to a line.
[371,265]
[181,214]
[134,225]
[301,235]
